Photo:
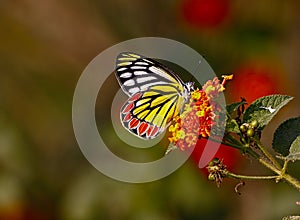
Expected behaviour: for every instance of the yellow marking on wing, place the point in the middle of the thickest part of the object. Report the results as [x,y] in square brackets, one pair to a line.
[124,63]
[142,101]
[150,93]
[160,90]
[152,114]
[164,116]
[179,105]
[127,58]
[159,100]
[143,114]
[158,119]
[140,108]
[134,55]
[172,112]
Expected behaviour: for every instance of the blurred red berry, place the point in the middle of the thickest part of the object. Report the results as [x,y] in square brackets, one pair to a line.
[253,81]
[204,13]
[229,155]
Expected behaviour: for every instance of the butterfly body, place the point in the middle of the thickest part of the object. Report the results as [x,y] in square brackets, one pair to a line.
[156,94]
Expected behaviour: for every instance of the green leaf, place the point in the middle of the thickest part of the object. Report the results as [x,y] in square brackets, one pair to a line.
[265,108]
[285,140]
[291,157]
[231,108]
[294,151]
[232,126]
[295,147]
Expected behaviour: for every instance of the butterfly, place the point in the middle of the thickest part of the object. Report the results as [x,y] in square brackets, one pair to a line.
[156,94]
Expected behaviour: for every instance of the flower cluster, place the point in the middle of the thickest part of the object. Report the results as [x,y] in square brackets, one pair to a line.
[198,116]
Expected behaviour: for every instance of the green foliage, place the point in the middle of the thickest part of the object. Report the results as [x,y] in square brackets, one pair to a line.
[247,128]
[264,109]
[286,137]
[232,126]
[295,150]
[231,108]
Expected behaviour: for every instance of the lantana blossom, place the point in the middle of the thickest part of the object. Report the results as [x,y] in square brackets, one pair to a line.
[199,115]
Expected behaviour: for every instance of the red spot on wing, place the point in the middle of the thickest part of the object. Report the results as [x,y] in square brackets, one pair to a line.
[134,123]
[135,97]
[154,131]
[127,117]
[128,108]
[143,128]
[149,130]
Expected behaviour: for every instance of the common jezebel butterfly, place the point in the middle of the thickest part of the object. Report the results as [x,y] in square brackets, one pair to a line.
[156,94]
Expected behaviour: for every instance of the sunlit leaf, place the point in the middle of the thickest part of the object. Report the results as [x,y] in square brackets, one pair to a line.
[295,147]
[265,108]
[294,151]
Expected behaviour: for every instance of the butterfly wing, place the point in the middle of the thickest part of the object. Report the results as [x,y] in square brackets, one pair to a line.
[147,114]
[155,94]
[136,73]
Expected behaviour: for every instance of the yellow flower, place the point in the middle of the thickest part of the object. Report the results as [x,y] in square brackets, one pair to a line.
[180,134]
[176,136]
[196,94]
[198,115]
[191,139]
[172,128]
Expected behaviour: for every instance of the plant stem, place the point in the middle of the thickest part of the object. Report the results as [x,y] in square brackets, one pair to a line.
[244,177]
[267,154]
[280,175]
[271,163]
[234,141]
[294,182]
[269,166]
[284,167]
[240,146]
[237,145]
[291,180]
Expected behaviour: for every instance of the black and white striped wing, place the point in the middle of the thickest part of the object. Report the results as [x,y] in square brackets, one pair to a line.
[136,73]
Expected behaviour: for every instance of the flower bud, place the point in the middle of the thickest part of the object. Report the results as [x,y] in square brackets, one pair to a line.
[211,177]
[254,124]
[243,128]
[247,145]
[250,132]
[214,162]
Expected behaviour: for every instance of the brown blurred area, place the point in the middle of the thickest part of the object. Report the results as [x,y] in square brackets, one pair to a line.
[45,46]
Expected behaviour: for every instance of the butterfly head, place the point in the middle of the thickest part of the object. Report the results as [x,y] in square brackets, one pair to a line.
[189,87]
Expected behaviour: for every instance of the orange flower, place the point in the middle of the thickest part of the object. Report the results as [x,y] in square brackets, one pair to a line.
[199,115]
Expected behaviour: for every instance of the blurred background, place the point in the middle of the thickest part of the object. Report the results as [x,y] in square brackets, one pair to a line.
[45,46]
